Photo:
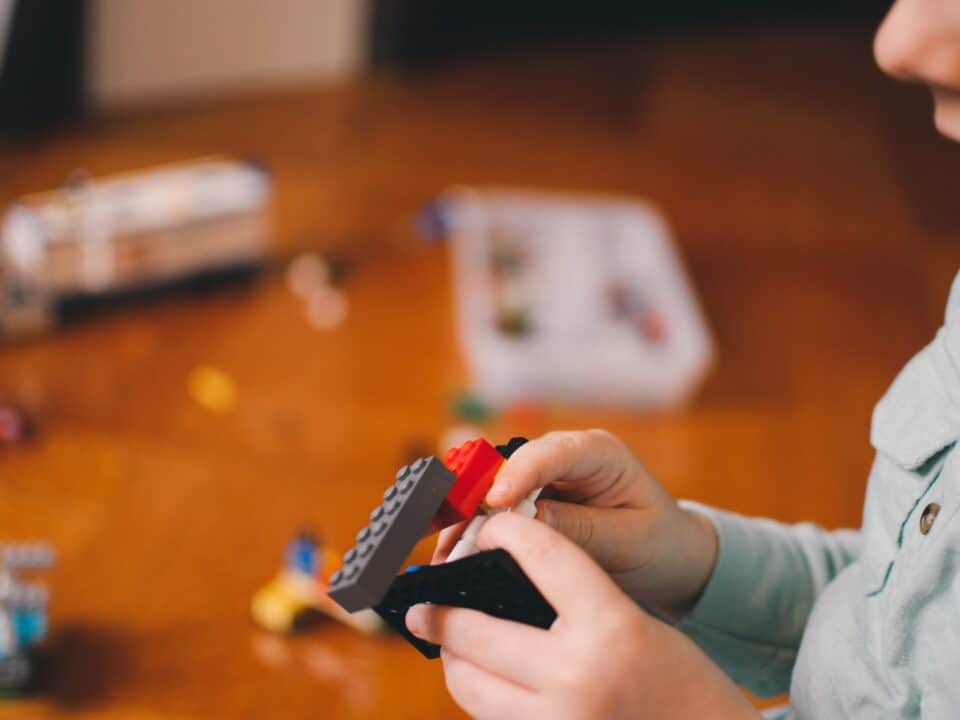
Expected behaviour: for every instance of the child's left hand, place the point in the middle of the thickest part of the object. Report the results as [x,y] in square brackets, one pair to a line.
[603,658]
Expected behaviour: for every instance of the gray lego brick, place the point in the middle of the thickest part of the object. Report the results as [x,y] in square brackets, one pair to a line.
[395,527]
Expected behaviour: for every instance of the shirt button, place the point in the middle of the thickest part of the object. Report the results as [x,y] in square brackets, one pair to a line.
[930,513]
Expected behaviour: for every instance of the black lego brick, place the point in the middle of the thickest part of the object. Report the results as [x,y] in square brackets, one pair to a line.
[511,447]
[490,581]
[395,527]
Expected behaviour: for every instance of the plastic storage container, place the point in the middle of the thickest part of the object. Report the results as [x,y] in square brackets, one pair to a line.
[572,299]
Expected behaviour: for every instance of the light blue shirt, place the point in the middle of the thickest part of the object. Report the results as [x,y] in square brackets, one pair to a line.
[857,624]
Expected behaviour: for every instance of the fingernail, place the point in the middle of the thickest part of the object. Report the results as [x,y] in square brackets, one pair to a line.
[414,619]
[544,514]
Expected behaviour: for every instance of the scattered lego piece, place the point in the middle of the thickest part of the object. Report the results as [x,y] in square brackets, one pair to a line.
[23,612]
[514,322]
[653,327]
[303,553]
[326,308]
[508,256]
[475,464]
[431,223]
[490,581]
[395,527]
[212,389]
[621,299]
[13,425]
[470,408]
[296,599]
[307,272]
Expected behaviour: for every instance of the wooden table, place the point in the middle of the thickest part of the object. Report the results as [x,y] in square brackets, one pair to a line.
[810,197]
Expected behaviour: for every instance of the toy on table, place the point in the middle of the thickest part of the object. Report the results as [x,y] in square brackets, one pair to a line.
[110,237]
[296,598]
[571,298]
[23,612]
[427,496]
[14,426]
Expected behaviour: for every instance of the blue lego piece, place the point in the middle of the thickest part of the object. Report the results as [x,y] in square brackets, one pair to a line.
[303,555]
[432,222]
[29,625]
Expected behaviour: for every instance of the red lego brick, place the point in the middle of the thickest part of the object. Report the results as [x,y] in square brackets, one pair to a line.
[475,464]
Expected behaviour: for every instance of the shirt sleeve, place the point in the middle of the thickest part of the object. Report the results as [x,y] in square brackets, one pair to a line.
[755,606]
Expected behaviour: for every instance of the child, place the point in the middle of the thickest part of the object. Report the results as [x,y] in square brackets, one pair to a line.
[854,624]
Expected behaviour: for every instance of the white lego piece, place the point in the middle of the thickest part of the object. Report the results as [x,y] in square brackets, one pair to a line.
[467,544]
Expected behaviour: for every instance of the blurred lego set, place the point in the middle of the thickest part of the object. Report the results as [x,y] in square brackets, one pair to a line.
[121,235]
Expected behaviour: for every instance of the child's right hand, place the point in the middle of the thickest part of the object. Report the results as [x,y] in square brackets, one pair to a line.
[606,501]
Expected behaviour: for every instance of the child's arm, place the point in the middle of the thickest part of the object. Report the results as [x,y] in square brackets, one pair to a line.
[602,659]
[752,613]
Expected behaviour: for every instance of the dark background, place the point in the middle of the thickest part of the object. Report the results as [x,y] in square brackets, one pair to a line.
[42,78]
[417,33]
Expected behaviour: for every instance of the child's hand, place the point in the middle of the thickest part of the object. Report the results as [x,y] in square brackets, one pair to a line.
[603,658]
[607,502]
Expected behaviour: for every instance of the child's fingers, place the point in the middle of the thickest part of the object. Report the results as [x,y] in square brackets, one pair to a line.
[605,533]
[446,540]
[485,695]
[581,455]
[575,585]
[519,653]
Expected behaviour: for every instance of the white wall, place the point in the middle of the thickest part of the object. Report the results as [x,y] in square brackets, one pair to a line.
[148,51]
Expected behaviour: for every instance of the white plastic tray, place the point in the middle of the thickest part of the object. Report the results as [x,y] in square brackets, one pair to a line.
[573,299]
